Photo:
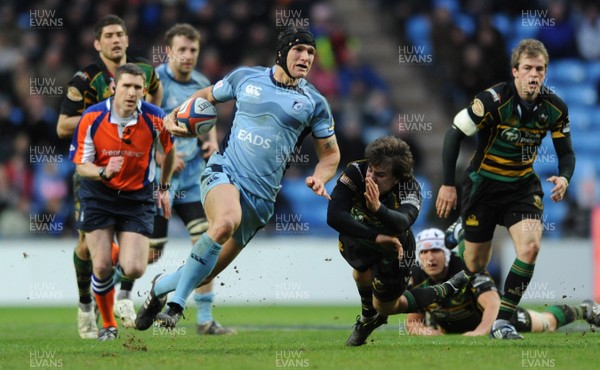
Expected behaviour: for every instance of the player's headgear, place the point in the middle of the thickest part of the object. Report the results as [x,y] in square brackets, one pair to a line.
[431,239]
[287,39]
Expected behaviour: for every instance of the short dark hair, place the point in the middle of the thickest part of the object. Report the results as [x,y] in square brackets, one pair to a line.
[108,20]
[391,151]
[129,68]
[181,29]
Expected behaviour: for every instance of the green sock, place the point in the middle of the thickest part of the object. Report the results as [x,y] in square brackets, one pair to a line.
[515,285]
[83,273]
[565,314]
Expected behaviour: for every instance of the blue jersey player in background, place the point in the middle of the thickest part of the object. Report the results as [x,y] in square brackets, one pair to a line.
[276,109]
[180,80]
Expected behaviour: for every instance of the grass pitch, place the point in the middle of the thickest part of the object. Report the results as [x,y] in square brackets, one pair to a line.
[271,337]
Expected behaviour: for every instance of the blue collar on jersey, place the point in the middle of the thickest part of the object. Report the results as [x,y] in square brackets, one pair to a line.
[282,85]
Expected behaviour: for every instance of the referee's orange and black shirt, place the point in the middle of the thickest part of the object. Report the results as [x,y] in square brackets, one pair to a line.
[97,139]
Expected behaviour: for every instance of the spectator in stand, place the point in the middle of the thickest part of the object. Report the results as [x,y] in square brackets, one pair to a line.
[558,37]
[356,70]
[588,33]
[378,116]
[493,48]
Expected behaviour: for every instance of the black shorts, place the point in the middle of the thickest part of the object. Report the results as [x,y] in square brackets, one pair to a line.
[102,207]
[487,203]
[389,276]
[190,214]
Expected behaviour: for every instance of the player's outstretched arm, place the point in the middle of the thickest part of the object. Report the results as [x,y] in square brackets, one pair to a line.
[490,303]
[328,153]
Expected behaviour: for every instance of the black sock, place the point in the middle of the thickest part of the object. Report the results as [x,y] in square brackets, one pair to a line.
[175,307]
[366,300]
[126,287]
[83,273]
[418,298]
[515,285]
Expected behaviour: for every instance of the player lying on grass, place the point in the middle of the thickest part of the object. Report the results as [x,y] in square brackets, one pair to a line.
[472,311]
[373,206]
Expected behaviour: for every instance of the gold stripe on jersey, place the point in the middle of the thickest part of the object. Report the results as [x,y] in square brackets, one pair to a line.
[510,162]
[558,135]
[502,174]
[523,128]
[500,160]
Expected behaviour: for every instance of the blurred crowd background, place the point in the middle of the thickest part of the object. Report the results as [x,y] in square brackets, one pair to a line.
[43,43]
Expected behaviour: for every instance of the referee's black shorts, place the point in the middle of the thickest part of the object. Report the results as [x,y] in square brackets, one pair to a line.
[102,207]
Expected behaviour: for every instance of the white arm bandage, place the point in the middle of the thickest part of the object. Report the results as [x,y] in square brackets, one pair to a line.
[464,123]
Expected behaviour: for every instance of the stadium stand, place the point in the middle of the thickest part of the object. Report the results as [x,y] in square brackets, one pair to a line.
[37,60]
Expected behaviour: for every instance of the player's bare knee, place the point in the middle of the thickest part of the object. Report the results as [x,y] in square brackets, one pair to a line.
[102,269]
[528,253]
[221,231]
[135,270]
[81,249]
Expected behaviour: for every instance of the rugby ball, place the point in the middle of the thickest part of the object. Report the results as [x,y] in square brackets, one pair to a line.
[198,115]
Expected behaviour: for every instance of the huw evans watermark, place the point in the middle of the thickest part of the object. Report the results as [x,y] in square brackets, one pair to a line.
[45,86]
[291,358]
[414,123]
[44,19]
[44,358]
[44,154]
[536,358]
[285,18]
[537,18]
[415,55]
[291,223]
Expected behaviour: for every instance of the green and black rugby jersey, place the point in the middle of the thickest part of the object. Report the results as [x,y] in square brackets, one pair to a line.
[511,131]
[348,195]
[460,313]
[91,85]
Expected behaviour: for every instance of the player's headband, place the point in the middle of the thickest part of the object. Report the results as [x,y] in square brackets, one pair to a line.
[289,38]
[431,239]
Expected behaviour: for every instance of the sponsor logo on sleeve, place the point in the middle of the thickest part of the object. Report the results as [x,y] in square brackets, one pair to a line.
[74,94]
[348,182]
[477,108]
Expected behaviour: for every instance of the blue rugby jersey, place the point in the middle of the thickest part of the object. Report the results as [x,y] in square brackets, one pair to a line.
[270,121]
[174,94]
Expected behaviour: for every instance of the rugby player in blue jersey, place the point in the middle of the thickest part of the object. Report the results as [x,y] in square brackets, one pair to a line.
[276,109]
[180,80]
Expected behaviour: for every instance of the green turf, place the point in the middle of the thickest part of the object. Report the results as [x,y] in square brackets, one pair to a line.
[272,337]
